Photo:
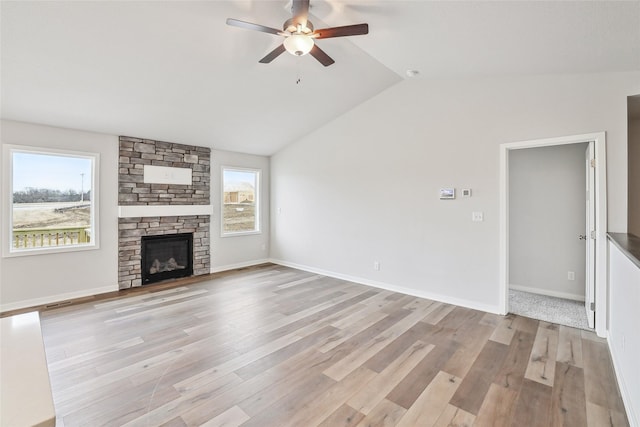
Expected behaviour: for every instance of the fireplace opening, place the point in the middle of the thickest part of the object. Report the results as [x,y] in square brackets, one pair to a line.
[166,257]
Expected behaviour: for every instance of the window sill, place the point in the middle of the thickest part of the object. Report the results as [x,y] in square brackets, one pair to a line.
[46,251]
[241,233]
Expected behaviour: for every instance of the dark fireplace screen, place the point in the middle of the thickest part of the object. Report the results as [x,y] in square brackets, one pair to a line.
[166,257]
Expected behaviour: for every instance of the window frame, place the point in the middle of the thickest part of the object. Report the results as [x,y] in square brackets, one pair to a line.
[258,201]
[7,223]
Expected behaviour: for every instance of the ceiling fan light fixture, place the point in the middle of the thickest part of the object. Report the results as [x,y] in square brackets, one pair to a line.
[298,44]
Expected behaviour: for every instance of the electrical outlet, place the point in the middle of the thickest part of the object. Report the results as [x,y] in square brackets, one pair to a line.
[571,275]
[376,265]
[477,216]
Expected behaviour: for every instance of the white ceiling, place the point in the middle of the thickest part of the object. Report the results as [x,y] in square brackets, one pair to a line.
[173,71]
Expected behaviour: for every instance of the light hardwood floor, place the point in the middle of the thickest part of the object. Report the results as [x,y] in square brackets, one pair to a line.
[276,346]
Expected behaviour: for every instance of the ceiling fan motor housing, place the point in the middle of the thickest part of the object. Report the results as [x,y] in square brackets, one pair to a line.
[291,27]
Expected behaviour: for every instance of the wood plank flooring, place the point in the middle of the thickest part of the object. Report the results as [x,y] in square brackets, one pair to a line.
[274,346]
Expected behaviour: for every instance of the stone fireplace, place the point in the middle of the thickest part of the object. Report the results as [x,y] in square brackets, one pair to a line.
[155,200]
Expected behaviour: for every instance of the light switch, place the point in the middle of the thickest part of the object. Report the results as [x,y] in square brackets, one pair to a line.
[477,216]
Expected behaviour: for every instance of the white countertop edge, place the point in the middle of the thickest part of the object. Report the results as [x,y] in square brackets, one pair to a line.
[25,397]
[163,210]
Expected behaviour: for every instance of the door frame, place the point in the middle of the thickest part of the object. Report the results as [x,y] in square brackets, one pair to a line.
[599,140]
[590,249]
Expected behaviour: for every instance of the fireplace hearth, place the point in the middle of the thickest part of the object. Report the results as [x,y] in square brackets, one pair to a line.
[166,256]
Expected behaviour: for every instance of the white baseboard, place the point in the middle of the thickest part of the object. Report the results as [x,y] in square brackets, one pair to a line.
[388,287]
[634,421]
[547,292]
[219,268]
[57,298]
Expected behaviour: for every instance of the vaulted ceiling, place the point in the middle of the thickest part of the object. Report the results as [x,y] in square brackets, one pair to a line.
[174,71]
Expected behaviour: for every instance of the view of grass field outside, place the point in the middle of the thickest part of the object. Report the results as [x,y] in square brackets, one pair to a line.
[51,204]
[240,201]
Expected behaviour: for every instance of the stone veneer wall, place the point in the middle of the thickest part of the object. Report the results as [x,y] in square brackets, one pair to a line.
[134,154]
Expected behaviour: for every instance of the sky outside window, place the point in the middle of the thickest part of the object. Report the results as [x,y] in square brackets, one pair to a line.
[51,172]
[232,177]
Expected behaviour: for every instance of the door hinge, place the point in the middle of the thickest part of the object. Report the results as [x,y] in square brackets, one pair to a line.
[593,163]
[592,306]
[593,234]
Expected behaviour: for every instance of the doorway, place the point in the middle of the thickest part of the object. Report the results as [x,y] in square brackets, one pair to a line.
[571,271]
[547,223]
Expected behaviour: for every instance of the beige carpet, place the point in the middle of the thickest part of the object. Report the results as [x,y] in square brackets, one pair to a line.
[550,309]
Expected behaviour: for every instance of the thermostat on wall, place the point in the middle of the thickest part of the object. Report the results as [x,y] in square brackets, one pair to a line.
[447,193]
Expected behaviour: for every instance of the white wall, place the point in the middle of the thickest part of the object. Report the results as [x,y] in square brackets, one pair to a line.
[39,279]
[364,188]
[238,251]
[624,340]
[546,216]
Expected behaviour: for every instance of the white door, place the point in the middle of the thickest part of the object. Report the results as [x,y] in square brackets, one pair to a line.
[589,236]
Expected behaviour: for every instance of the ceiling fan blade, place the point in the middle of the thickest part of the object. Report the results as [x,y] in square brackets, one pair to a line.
[300,11]
[272,55]
[347,30]
[254,27]
[322,57]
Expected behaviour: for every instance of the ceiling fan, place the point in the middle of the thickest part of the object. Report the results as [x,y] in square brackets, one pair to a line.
[300,35]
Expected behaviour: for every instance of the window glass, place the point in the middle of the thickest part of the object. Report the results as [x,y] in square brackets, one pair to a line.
[52,201]
[240,213]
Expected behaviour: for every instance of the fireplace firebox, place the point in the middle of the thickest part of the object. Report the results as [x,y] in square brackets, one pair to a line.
[167,256]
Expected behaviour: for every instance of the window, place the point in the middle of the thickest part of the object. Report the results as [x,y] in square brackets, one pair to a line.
[52,200]
[240,204]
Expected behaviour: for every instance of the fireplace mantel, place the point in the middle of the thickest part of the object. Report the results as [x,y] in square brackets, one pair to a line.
[131,211]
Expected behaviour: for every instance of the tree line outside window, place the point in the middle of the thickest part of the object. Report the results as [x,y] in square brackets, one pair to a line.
[48,195]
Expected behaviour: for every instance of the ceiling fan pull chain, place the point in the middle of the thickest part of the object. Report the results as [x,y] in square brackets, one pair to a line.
[298,72]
